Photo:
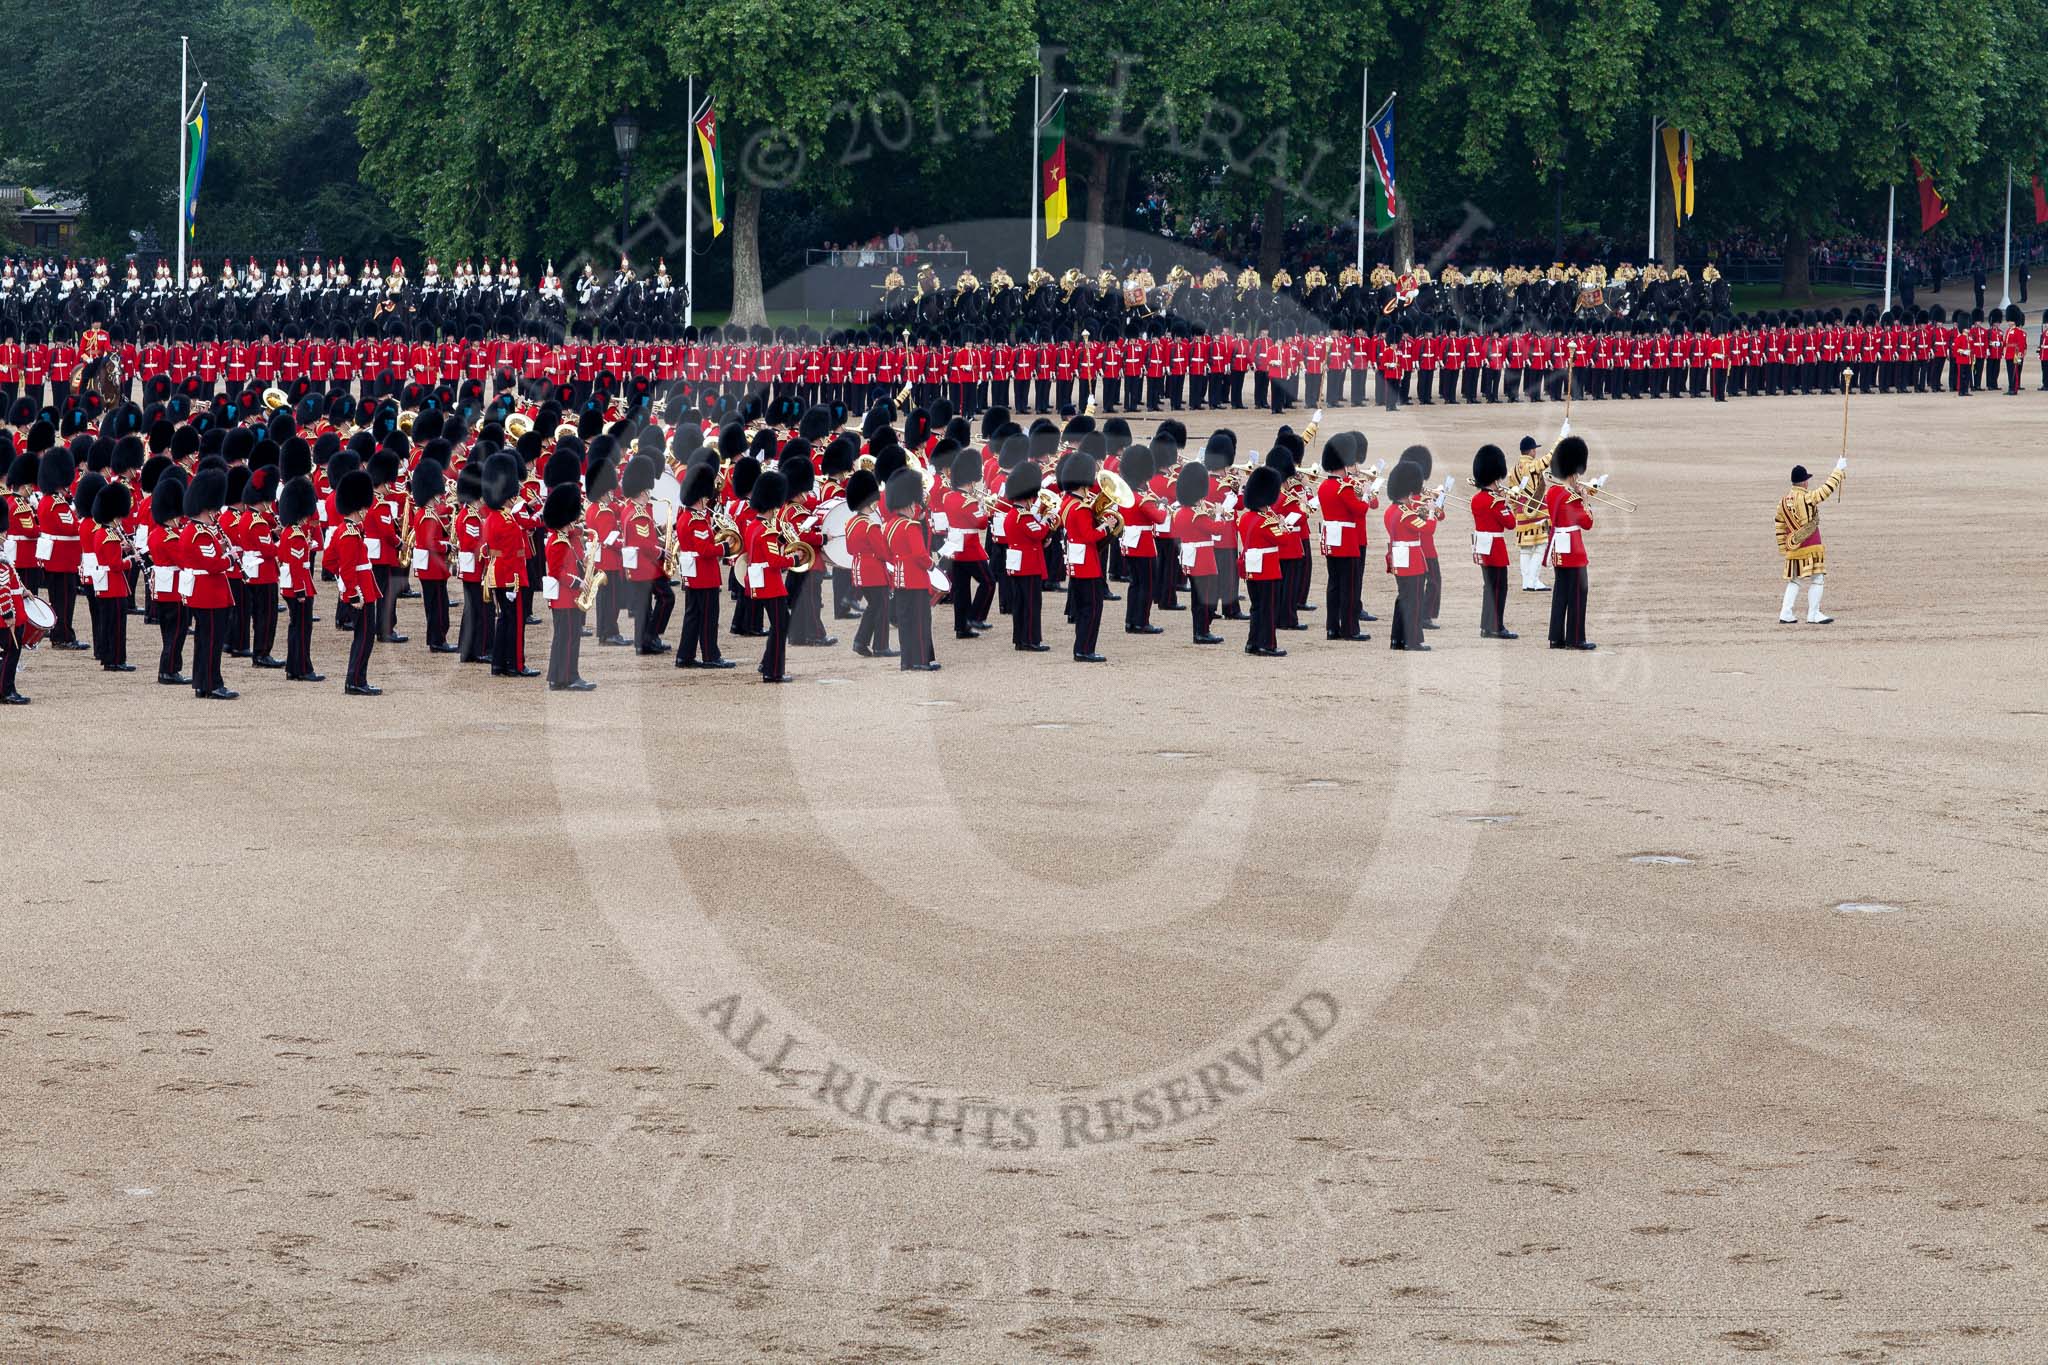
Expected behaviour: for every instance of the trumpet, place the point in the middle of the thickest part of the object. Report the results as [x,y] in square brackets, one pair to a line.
[802,557]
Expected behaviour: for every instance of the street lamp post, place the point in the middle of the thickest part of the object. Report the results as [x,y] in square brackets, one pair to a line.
[626,137]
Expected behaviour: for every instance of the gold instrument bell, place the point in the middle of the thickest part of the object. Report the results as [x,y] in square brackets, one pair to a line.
[517,425]
[275,398]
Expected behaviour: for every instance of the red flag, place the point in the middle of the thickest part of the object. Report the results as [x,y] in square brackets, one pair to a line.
[2040,202]
[1933,208]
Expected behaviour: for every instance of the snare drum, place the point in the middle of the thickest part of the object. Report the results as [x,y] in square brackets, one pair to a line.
[38,619]
[940,582]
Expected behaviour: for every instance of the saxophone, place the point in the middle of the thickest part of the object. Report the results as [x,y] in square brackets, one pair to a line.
[586,598]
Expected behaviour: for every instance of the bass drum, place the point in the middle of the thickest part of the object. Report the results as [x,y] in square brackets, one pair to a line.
[38,619]
[837,554]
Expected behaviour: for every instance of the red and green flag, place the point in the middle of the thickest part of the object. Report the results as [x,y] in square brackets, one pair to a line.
[714,166]
[2040,194]
[1933,208]
[1052,165]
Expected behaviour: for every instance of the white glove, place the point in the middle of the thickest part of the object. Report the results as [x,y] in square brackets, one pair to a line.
[1564,428]
[1450,482]
[1841,464]
[1600,482]
[1318,418]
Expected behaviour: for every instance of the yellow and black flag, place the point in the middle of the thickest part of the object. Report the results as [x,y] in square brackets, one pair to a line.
[1678,154]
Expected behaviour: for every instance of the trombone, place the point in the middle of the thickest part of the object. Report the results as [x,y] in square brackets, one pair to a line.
[1595,491]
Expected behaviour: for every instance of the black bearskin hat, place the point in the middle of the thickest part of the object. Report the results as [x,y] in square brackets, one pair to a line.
[563,505]
[1404,481]
[208,492]
[501,479]
[113,504]
[429,481]
[905,490]
[638,476]
[769,492]
[1192,485]
[861,489]
[1490,465]
[1569,458]
[355,493]
[297,501]
[1023,483]
[1262,489]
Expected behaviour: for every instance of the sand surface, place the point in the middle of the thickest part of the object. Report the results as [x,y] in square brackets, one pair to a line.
[438,1026]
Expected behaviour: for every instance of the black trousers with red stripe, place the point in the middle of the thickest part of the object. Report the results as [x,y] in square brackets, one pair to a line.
[774,614]
[298,637]
[209,639]
[172,621]
[1027,598]
[360,647]
[508,634]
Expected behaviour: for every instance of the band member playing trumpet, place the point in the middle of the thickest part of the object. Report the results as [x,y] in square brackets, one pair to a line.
[1261,534]
[906,548]
[1194,530]
[1493,522]
[766,563]
[562,513]
[698,561]
[1406,520]
[1806,559]
[1570,518]
[1140,549]
[1026,524]
[870,569]
[966,519]
[1433,509]
[1085,535]
[1344,510]
[649,598]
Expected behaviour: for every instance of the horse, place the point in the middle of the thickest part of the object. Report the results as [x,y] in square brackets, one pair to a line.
[105,376]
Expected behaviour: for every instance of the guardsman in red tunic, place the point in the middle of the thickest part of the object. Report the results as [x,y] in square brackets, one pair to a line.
[431,545]
[206,562]
[478,627]
[905,546]
[1570,519]
[112,562]
[1345,512]
[701,564]
[766,563]
[1493,526]
[1024,533]
[1260,534]
[167,516]
[57,544]
[649,598]
[1194,531]
[297,518]
[507,541]
[258,545]
[967,520]
[562,514]
[1406,519]
[1086,538]
[354,496]
[13,616]
[2015,349]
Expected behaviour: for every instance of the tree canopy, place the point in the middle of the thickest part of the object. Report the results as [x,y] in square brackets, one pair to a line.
[471,126]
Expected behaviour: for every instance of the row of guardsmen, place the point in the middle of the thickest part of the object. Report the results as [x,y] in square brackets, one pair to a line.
[223,534]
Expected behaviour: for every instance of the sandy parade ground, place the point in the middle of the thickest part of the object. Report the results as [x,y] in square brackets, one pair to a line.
[1679,1001]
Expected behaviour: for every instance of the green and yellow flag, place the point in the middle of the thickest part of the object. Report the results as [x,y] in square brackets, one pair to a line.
[714,166]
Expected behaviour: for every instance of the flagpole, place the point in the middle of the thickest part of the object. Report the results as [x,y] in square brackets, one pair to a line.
[690,205]
[1364,140]
[1031,152]
[1891,215]
[183,114]
[2005,288]
[1652,257]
